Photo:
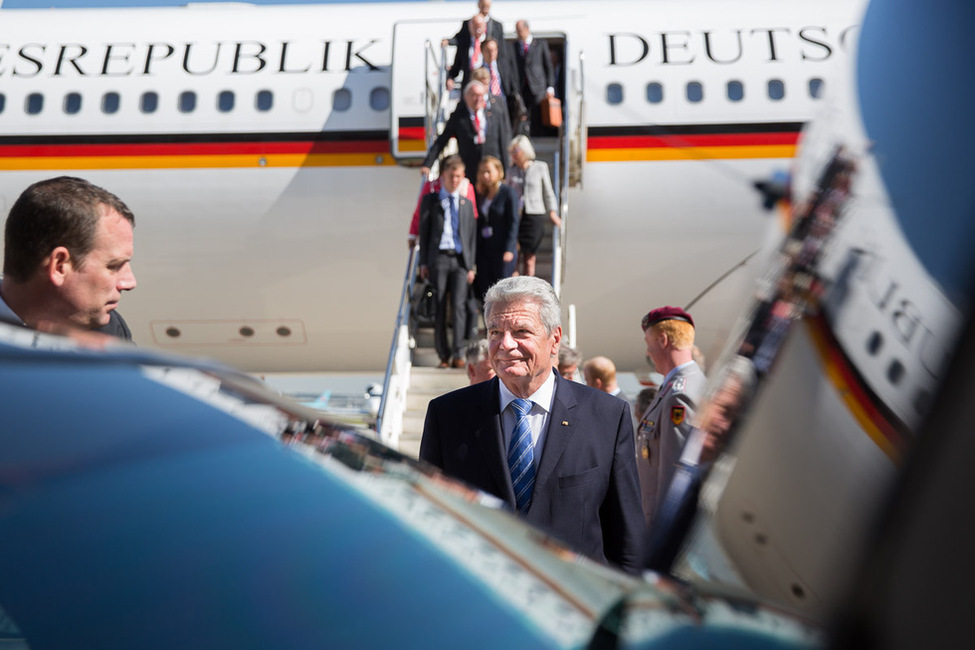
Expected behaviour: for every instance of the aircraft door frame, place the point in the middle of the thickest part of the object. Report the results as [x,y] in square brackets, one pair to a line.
[416,77]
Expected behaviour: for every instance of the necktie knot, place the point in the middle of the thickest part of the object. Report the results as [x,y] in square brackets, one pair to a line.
[521,406]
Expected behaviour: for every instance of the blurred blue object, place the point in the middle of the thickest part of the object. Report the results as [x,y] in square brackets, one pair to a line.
[147,502]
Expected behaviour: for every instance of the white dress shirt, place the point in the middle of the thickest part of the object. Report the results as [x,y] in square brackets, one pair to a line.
[537,419]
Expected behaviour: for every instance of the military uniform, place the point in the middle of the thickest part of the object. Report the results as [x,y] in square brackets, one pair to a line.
[662,431]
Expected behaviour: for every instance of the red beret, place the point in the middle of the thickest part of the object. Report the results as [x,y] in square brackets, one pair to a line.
[654,316]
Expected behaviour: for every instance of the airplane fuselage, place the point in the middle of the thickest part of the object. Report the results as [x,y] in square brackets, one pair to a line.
[267,155]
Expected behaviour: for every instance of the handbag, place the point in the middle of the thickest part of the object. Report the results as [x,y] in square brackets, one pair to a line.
[423,304]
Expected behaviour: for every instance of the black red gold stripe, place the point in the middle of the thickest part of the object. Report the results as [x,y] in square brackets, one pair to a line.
[172,151]
[370,148]
[412,134]
[887,431]
[693,142]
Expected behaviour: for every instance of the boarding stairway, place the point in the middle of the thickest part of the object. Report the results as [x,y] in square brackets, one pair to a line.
[412,376]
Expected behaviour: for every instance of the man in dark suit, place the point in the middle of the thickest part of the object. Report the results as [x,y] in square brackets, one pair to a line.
[558,452]
[501,85]
[495,29]
[503,75]
[468,55]
[536,77]
[479,28]
[479,130]
[447,249]
[67,258]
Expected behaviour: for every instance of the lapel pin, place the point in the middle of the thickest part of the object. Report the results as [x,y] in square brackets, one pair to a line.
[565,423]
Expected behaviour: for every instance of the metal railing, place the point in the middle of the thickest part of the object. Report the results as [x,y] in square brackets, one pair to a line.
[392,405]
[435,99]
[396,382]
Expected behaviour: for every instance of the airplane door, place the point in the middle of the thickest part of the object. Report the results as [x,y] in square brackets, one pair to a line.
[418,62]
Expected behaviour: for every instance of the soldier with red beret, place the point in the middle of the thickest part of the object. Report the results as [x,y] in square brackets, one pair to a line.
[665,425]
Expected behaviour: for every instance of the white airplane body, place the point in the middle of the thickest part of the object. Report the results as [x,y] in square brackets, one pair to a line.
[855,382]
[258,148]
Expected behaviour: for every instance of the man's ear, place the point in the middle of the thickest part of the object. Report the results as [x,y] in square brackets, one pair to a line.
[58,265]
[663,339]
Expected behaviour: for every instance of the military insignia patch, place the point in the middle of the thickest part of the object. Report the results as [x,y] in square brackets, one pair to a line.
[677,415]
[679,384]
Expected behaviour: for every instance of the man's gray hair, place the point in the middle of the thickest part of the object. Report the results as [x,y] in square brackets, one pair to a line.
[526,288]
[569,356]
[472,85]
[477,351]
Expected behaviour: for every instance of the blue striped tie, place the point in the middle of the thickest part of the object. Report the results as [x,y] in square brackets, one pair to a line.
[521,457]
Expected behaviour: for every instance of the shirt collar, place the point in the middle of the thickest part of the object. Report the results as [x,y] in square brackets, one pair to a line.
[675,370]
[544,396]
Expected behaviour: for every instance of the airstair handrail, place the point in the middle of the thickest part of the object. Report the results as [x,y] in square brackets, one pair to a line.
[562,168]
[435,108]
[396,349]
[558,232]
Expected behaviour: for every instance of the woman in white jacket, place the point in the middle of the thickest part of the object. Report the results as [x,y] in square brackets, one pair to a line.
[532,182]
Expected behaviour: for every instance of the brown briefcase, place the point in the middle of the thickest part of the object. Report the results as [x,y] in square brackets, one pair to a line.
[551,112]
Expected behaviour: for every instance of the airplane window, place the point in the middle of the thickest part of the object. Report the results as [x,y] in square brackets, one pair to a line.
[875,343]
[72,103]
[341,99]
[187,101]
[816,88]
[3,101]
[225,101]
[379,98]
[695,91]
[895,372]
[655,92]
[265,100]
[110,102]
[149,102]
[614,94]
[736,91]
[35,103]
[776,89]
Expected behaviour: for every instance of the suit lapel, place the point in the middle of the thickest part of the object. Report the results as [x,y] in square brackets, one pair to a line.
[560,430]
[487,431]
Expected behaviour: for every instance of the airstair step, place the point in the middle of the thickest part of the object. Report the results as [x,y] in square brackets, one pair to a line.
[436,380]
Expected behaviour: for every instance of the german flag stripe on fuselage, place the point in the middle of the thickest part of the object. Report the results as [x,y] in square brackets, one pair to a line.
[886,430]
[177,151]
[369,148]
[693,142]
